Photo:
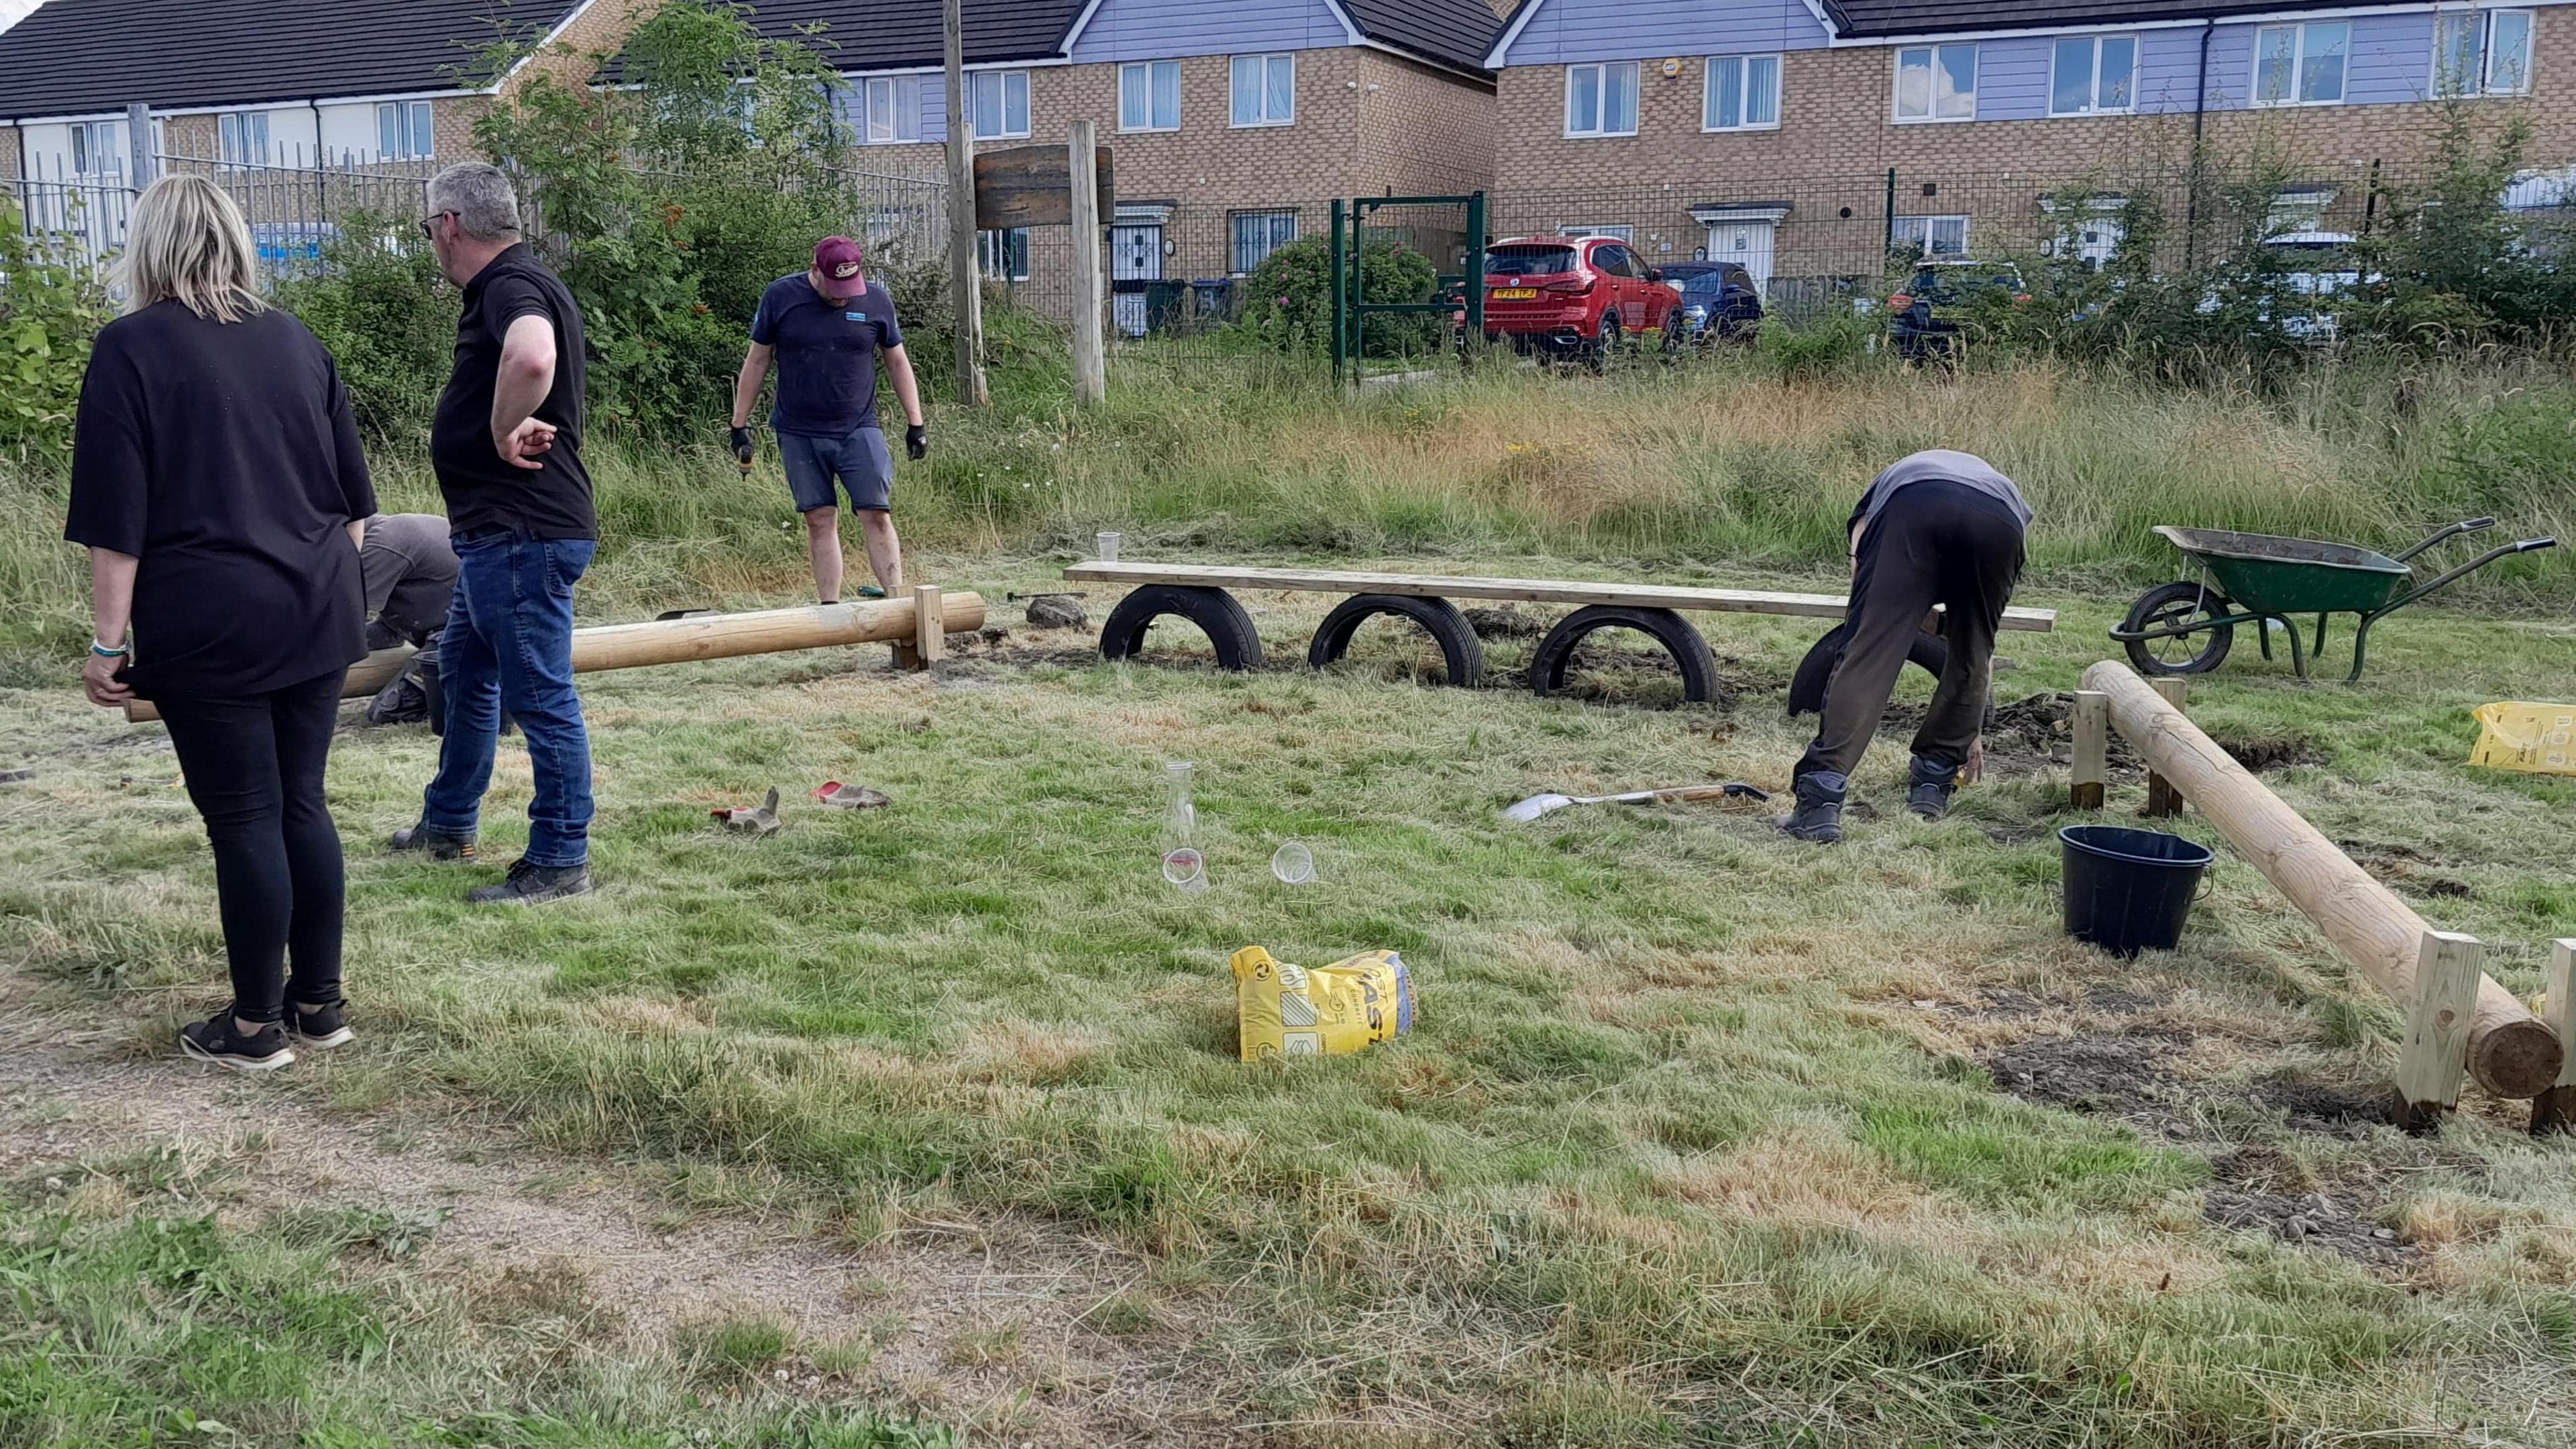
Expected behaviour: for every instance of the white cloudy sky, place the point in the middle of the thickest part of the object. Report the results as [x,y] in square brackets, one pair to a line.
[13,11]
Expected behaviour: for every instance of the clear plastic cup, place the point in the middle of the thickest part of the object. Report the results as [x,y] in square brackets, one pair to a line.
[1107,544]
[1186,868]
[1293,863]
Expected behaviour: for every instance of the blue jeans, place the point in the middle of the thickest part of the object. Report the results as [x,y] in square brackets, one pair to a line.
[508,645]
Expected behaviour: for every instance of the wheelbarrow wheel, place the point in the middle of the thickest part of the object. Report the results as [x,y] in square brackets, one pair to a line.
[2169,606]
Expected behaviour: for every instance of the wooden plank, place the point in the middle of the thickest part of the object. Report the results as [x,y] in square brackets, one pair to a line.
[930,626]
[1090,305]
[1527,591]
[2511,1052]
[2555,1109]
[2163,800]
[1033,186]
[966,290]
[2448,969]
[2091,775]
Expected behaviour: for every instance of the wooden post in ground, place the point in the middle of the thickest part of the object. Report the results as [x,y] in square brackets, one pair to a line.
[967,287]
[2091,775]
[2511,1052]
[2555,1109]
[2448,970]
[2163,800]
[930,626]
[1090,338]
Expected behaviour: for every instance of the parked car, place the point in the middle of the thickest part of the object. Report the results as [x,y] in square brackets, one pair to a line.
[1676,273]
[1717,305]
[1927,317]
[1572,296]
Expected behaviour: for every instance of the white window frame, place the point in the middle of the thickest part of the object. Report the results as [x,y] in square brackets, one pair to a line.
[1005,85]
[2483,84]
[2093,105]
[1917,231]
[1269,63]
[1743,66]
[1235,251]
[902,95]
[236,145]
[1932,97]
[411,120]
[1600,119]
[1147,72]
[2298,65]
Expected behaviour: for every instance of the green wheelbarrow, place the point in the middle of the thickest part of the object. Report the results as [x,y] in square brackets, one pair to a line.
[2260,579]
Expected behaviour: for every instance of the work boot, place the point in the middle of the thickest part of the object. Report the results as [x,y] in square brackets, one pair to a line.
[1928,795]
[1819,816]
[530,884]
[429,840]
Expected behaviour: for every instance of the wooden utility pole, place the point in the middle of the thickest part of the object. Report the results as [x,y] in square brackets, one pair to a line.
[961,216]
[145,156]
[1090,343]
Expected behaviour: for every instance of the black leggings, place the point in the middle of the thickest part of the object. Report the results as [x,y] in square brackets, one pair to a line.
[254,767]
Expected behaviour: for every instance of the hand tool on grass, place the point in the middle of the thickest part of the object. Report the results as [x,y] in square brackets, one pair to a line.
[851,797]
[763,821]
[1538,805]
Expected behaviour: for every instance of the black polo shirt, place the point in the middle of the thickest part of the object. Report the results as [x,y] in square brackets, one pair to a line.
[485,494]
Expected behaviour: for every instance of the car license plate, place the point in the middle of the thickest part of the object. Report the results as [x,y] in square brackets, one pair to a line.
[1515,294]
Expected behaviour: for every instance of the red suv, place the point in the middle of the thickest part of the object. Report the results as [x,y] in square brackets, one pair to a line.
[1572,296]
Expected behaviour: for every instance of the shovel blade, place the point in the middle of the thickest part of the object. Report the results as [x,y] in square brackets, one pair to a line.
[1536,806]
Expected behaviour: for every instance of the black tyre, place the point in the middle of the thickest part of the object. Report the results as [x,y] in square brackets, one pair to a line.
[1690,652]
[1227,626]
[1460,651]
[2167,605]
[1606,343]
[1928,653]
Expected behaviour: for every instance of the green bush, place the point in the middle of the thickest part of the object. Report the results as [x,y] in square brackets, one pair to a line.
[50,308]
[388,317]
[1290,298]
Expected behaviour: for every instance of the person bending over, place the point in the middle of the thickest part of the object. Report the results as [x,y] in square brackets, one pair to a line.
[409,571]
[824,329]
[506,445]
[1937,528]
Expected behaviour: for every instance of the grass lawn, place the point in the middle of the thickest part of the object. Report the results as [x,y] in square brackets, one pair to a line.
[1703,1137]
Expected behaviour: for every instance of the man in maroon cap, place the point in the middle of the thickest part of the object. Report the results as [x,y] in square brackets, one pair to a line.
[824,329]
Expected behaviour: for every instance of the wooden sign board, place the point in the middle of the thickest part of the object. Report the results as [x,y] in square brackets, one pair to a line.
[1032,186]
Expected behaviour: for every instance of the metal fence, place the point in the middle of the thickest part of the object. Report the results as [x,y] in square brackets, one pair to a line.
[294,208]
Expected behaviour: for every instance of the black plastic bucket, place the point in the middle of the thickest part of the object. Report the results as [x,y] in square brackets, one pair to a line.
[2129,890]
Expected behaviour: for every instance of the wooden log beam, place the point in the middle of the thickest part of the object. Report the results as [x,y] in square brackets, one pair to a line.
[2511,1052]
[708,636]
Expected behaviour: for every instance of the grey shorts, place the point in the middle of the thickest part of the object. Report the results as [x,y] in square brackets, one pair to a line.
[860,462]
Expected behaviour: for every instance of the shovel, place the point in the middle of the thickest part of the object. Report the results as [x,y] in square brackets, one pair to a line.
[1538,805]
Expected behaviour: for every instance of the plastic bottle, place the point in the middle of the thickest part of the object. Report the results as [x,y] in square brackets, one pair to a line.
[1183,865]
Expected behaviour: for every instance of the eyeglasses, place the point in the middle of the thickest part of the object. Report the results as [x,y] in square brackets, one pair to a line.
[429,224]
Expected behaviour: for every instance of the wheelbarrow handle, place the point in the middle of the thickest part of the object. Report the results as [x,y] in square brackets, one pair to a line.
[2528,545]
[2466,525]
[2534,545]
[2476,525]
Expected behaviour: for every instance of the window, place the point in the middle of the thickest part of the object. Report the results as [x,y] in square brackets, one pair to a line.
[1003,254]
[1001,103]
[2300,65]
[1149,96]
[1259,233]
[2093,75]
[405,132]
[1743,93]
[1616,260]
[1601,100]
[1936,83]
[1265,90]
[893,110]
[98,147]
[242,139]
[1933,236]
[2482,53]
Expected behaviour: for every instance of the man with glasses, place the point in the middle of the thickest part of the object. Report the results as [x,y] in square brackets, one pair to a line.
[506,445]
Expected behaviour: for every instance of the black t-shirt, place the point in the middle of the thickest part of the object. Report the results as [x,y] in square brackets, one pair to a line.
[485,494]
[225,458]
[827,355]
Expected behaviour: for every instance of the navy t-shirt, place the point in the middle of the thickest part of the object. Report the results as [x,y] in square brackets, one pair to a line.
[827,355]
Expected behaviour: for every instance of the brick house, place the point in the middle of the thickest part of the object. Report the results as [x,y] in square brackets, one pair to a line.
[1232,124]
[259,88]
[1776,123]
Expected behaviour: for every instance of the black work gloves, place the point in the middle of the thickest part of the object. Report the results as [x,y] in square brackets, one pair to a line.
[916,442]
[742,447]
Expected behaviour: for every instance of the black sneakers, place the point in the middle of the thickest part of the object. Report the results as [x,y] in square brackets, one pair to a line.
[217,1040]
[323,1027]
[1819,816]
[433,842]
[531,884]
[1931,785]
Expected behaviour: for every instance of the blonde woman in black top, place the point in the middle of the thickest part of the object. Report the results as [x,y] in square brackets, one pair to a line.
[219,486]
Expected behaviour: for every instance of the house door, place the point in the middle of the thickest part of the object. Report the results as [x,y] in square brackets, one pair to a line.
[1135,259]
[1745,243]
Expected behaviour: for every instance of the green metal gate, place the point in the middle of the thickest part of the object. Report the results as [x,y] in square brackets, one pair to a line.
[1452,294]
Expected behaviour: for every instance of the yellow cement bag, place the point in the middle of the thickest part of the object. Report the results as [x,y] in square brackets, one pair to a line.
[2537,739]
[1292,1011]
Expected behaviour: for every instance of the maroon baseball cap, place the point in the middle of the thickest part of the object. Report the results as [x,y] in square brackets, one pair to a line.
[838,258]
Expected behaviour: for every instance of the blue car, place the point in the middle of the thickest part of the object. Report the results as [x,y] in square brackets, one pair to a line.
[1717,305]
